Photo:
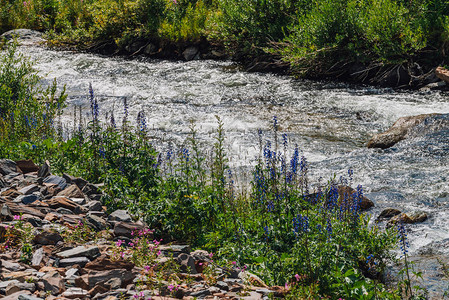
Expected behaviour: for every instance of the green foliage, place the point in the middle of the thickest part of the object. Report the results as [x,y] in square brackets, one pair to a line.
[26,110]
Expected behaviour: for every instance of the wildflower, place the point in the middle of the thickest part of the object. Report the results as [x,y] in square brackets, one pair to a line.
[17,217]
[402,235]
[119,243]
[159,253]
[234,263]
[171,287]
[297,277]
[147,268]
[211,255]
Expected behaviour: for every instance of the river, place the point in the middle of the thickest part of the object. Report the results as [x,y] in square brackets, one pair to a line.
[330,122]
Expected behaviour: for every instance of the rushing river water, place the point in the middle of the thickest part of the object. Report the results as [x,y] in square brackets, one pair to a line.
[331,123]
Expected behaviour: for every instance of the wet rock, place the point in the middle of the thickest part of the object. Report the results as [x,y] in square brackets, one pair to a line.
[8,166]
[72,191]
[89,252]
[397,132]
[191,53]
[27,166]
[103,263]
[44,170]
[416,217]
[187,263]
[346,192]
[120,215]
[47,237]
[25,36]
[388,213]
[68,262]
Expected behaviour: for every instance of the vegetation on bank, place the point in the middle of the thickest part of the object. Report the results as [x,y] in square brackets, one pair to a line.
[283,227]
[315,37]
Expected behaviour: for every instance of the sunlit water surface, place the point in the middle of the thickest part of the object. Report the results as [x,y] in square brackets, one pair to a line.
[330,122]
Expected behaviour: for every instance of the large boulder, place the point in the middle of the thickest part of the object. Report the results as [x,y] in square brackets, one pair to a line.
[24,36]
[397,132]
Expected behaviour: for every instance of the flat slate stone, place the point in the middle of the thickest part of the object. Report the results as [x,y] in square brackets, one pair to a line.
[68,262]
[80,251]
[59,181]
[120,215]
[7,166]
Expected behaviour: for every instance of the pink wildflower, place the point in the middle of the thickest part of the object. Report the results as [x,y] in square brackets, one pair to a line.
[159,253]
[17,217]
[171,288]
[297,277]
[234,263]
[147,268]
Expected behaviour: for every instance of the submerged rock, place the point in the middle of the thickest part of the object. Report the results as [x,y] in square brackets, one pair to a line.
[397,132]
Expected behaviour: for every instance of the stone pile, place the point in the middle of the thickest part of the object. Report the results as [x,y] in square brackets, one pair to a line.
[61,267]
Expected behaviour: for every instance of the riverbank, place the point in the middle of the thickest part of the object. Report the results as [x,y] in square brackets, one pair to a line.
[386,43]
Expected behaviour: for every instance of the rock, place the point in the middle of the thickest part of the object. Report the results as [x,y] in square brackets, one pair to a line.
[5,283]
[397,132]
[388,213]
[25,36]
[191,53]
[72,191]
[8,166]
[200,294]
[16,295]
[90,189]
[53,283]
[28,297]
[222,285]
[89,252]
[5,213]
[68,262]
[47,237]
[21,209]
[27,166]
[27,199]
[94,206]
[113,283]
[104,263]
[150,49]
[57,202]
[11,193]
[29,189]
[74,292]
[56,180]
[95,278]
[442,73]
[21,286]
[3,183]
[95,222]
[252,279]
[120,215]
[418,217]
[187,263]
[11,266]
[38,256]
[126,229]
[34,221]
[44,170]
[346,192]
